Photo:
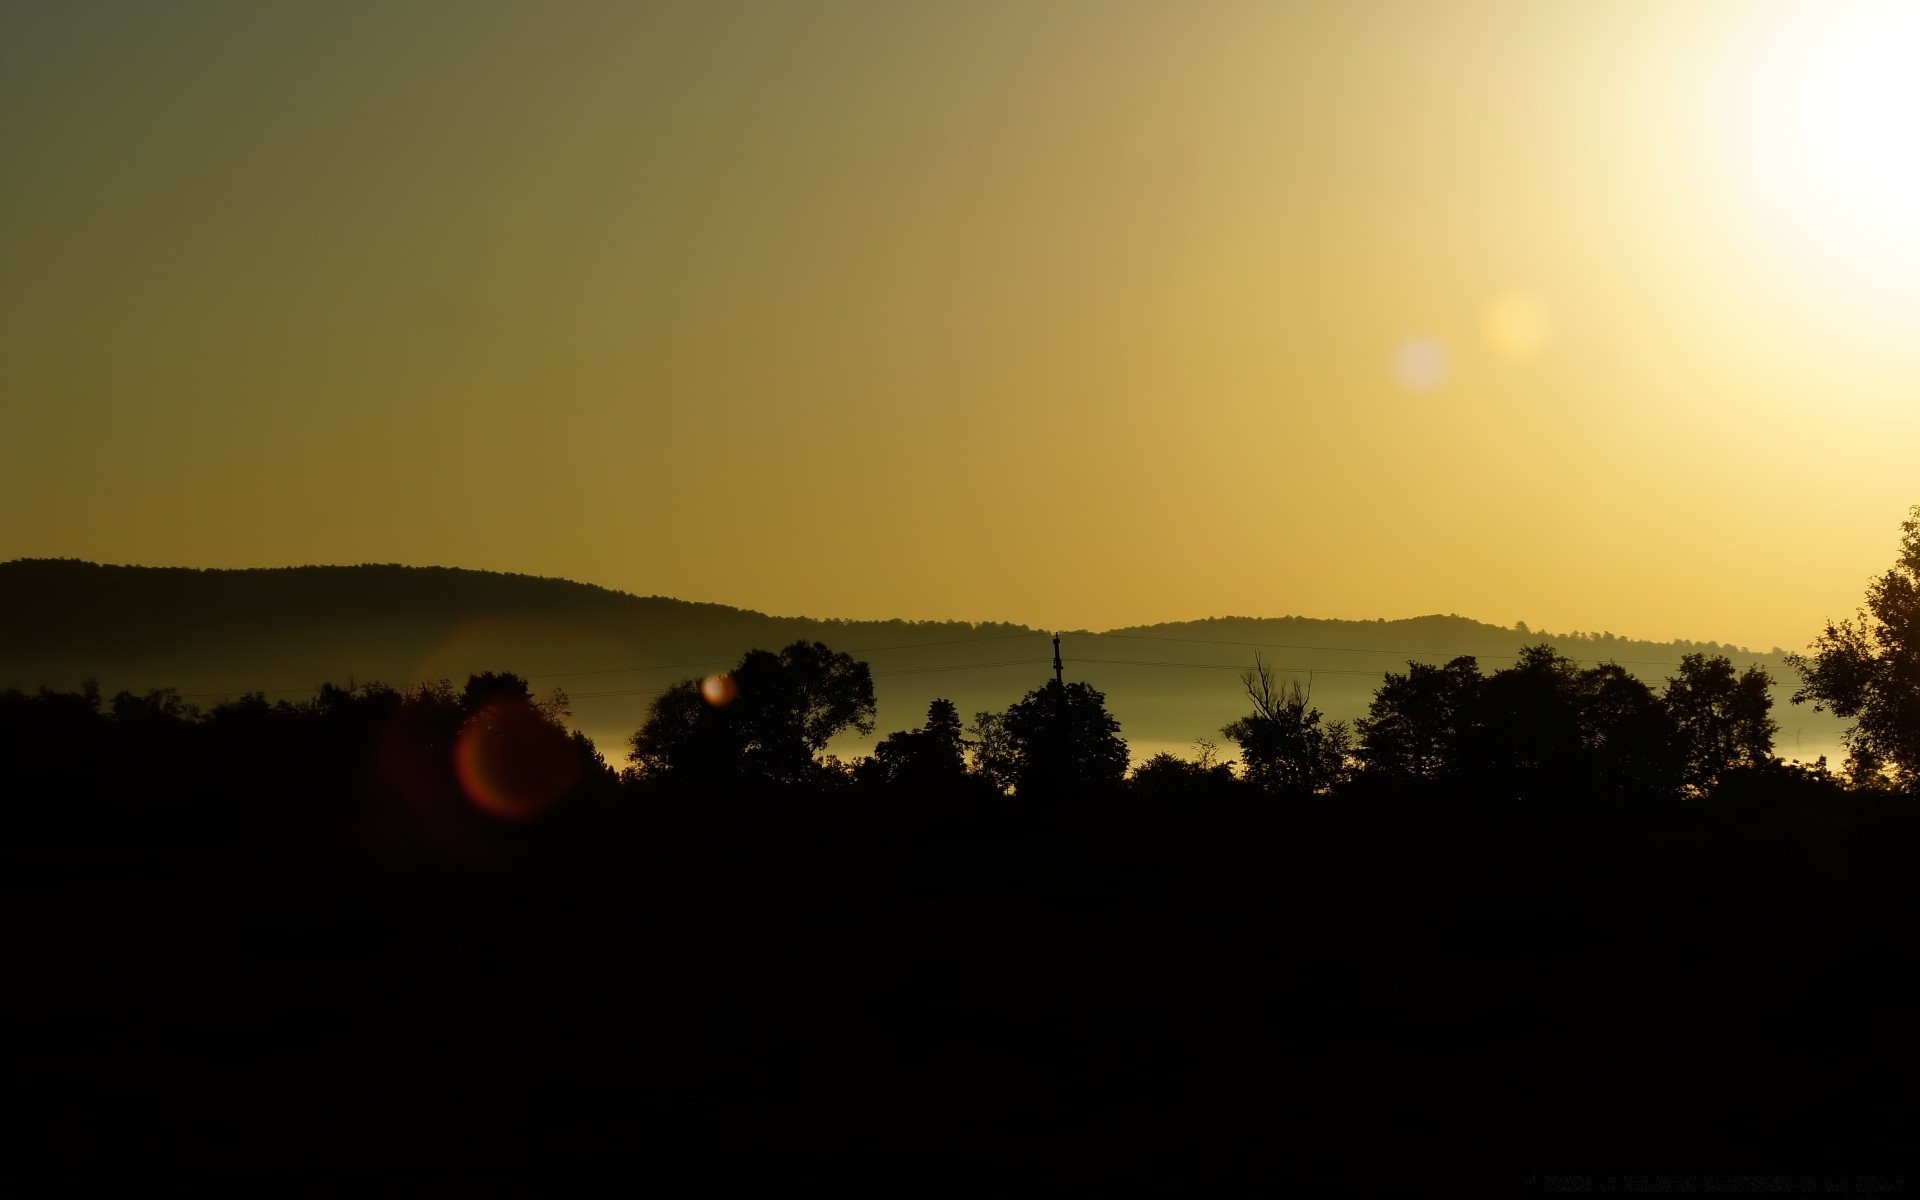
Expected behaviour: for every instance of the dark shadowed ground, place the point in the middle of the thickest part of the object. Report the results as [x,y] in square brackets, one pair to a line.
[1235,999]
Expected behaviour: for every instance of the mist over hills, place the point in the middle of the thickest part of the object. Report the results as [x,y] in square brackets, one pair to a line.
[214,634]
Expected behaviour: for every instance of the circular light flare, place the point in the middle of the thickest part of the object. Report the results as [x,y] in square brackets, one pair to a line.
[512,762]
[1518,325]
[1420,364]
[718,690]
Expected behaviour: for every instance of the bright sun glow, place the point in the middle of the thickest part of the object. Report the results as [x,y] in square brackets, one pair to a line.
[1825,121]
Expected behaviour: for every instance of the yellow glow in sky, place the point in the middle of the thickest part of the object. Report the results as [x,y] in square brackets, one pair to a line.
[1597,315]
[1824,105]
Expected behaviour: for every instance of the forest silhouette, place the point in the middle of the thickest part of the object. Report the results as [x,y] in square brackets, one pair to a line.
[215,635]
[1543,916]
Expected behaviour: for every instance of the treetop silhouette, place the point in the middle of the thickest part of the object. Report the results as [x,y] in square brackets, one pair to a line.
[1867,669]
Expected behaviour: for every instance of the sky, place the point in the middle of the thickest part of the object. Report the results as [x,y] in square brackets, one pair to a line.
[1596,315]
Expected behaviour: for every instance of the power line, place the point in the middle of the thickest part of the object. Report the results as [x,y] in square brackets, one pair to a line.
[1141,637]
[721,662]
[1142,662]
[712,662]
[620,692]
[682,666]
[999,637]
[232,692]
[1014,662]
[1011,662]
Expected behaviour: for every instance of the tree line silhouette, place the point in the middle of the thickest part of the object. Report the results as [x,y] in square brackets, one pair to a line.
[1542,730]
[1519,918]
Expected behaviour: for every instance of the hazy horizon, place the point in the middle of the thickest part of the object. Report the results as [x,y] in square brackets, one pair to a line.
[213,636]
[1528,627]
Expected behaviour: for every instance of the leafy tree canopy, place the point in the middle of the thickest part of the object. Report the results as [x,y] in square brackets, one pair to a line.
[1059,739]
[768,721]
[1868,669]
[1285,746]
[1722,720]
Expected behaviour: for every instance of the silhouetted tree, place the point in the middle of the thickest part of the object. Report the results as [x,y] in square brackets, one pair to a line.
[1417,723]
[1868,669]
[687,737]
[1627,737]
[1526,739]
[514,755]
[489,686]
[1169,779]
[931,757]
[991,755]
[1721,720]
[1060,740]
[162,705]
[916,781]
[767,722]
[1285,746]
[57,761]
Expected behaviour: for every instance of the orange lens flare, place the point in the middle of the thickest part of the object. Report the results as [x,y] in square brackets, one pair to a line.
[512,762]
[718,690]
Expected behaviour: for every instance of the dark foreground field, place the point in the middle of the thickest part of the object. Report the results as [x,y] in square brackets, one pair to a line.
[1237,999]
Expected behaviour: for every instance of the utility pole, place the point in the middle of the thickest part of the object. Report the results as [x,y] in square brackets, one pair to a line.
[1056,658]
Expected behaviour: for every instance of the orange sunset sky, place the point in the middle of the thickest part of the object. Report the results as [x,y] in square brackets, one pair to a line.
[1596,315]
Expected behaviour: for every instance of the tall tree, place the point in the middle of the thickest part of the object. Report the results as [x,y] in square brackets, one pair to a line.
[991,755]
[1285,746]
[1721,719]
[1627,738]
[1868,669]
[1169,779]
[514,755]
[1526,740]
[930,758]
[766,722]
[1417,723]
[1059,739]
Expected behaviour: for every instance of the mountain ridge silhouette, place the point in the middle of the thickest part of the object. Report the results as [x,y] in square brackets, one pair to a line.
[214,633]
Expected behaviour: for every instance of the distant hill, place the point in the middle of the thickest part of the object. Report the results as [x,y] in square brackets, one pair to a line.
[214,634]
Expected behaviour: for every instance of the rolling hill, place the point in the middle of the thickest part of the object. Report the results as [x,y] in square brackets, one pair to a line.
[216,634]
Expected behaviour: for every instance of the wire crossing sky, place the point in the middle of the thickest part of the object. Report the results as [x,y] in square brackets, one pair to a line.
[1081,315]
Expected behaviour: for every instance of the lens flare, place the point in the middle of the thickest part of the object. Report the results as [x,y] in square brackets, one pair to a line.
[512,762]
[1518,325]
[718,690]
[1420,364]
